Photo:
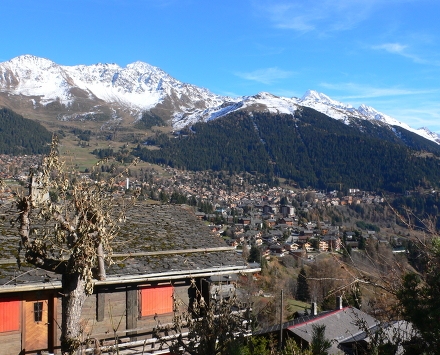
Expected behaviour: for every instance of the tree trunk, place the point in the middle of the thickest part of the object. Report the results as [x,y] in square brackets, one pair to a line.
[74,295]
[101,266]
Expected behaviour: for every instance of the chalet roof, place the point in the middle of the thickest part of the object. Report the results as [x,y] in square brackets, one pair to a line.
[155,240]
[340,326]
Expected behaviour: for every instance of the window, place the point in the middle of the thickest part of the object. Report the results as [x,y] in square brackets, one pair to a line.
[38,311]
[156,300]
[9,315]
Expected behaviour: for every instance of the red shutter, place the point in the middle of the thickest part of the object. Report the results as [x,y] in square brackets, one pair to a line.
[9,315]
[156,300]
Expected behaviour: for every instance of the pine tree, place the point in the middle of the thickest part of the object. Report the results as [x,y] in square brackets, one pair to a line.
[320,345]
[302,287]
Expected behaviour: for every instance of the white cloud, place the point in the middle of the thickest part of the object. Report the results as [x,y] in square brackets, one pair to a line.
[358,91]
[319,15]
[266,76]
[392,47]
[404,51]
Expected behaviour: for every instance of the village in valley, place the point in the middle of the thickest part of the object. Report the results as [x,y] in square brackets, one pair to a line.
[278,220]
[198,229]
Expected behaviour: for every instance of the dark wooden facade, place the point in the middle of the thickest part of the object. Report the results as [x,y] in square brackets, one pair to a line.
[112,314]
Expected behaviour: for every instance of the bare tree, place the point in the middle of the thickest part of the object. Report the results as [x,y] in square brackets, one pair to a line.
[71,236]
[208,326]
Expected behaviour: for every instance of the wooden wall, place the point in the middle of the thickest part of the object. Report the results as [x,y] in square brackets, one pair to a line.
[110,309]
[10,343]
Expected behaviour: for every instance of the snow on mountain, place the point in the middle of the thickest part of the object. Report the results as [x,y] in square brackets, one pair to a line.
[327,106]
[312,99]
[262,101]
[32,76]
[344,112]
[138,86]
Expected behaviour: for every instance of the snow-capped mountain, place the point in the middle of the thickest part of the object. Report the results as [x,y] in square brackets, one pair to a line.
[312,99]
[344,112]
[81,91]
[137,87]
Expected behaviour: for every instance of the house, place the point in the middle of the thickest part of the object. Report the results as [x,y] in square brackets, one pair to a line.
[270,209]
[245,220]
[277,250]
[308,247]
[159,254]
[200,215]
[287,221]
[341,326]
[322,245]
[349,235]
[294,246]
[334,243]
[271,222]
[287,211]
[298,253]
[349,329]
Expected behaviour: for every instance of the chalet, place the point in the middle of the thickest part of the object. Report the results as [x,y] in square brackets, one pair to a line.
[308,233]
[287,211]
[215,228]
[245,220]
[277,250]
[266,216]
[349,329]
[270,209]
[291,247]
[292,239]
[271,222]
[230,219]
[265,252]
[298,253]
[211,217]
[159,254]
[308,247]
[258,241]
[349,235]
[287,221]
[257,223]
[322,245]
[341,326]
[287,246]
[233,243]
[200,215]
[352,244]
[334,243]
[303,239]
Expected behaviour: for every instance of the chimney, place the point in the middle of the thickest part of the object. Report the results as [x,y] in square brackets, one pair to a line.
[339,302]
[314,308]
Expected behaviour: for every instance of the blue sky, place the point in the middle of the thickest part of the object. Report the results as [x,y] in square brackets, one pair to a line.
[383,53]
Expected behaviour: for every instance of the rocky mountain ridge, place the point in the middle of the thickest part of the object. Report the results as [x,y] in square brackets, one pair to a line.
[84,92]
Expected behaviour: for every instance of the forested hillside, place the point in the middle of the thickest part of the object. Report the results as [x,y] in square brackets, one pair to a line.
[19,135]
[309,148]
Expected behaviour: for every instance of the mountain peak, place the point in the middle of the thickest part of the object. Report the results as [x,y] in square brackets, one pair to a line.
[314,95]
[142,66]
[140,86]
[137,87]
[30,61]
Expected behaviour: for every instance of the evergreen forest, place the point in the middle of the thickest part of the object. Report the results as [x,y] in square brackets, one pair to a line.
[19,135]
[309,148]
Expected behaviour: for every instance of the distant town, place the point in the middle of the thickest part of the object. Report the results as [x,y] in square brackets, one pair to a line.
[277,220]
